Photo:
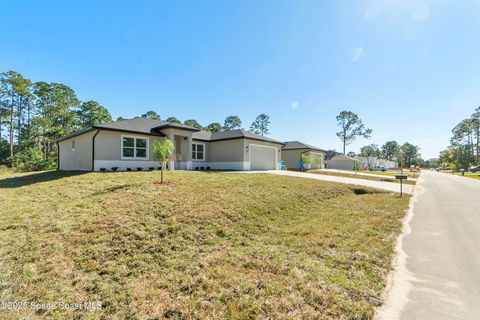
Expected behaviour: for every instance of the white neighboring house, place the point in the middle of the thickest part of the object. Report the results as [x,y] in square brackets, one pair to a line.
[370,162]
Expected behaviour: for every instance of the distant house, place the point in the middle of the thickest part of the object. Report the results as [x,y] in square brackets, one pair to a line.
[293,151]
[342,162]
[129,144]
[370,162]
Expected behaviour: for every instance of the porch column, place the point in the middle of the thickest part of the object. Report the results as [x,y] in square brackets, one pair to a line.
[189,153]
[171,163]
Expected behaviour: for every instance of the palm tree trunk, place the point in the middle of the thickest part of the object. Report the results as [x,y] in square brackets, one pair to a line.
[161,175]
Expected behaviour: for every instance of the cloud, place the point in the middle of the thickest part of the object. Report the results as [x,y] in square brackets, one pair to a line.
[295,105]
[421,13]
[373,10]
[356,54]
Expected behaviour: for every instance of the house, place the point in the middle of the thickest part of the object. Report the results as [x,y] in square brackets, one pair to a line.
[129,144]
[293,151]
[342,162]
[370,162]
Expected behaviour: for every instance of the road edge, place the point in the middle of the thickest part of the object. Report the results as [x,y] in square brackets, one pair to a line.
[395,295]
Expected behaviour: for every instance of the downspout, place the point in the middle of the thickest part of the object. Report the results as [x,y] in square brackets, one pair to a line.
[58,156]
[93,150]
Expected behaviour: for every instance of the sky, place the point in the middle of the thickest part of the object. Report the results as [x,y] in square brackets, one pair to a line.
[409,68]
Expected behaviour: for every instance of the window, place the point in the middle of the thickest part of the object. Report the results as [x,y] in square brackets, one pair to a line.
[73,144]
[135,148]
[198,151]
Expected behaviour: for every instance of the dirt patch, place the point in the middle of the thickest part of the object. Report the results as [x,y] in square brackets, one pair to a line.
[166,183]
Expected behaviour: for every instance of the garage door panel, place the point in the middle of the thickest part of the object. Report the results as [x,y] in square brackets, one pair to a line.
[262,158]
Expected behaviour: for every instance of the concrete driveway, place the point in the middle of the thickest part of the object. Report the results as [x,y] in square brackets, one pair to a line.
[437,274]
[389,186]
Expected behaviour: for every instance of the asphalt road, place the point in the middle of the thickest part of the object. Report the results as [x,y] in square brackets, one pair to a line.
[438,262]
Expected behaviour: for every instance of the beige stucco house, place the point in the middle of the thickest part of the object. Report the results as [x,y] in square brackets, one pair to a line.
[342,162]
[129,144]
[292,153]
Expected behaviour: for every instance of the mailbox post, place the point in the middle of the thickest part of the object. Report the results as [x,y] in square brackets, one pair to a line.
[401,177]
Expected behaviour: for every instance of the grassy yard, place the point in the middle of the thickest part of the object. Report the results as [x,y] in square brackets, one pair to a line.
[391,173]
[359,176]
[208,245]
[473,175]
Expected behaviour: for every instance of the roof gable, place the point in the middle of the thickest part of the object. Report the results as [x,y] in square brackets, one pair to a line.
[138,125]
[292,145]
[231,134]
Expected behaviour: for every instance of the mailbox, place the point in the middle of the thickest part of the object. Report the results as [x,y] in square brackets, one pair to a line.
[401,177]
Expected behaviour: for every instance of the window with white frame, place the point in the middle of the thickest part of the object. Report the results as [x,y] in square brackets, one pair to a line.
[198,151]
[135,148]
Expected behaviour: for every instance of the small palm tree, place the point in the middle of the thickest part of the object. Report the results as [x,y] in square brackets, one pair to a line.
[163,151]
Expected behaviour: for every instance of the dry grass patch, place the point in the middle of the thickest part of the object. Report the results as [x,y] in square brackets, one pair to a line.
[210,245]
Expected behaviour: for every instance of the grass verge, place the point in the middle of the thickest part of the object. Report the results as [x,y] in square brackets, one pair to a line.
[359,176]
[208,245]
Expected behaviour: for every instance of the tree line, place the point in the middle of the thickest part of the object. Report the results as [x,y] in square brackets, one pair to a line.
[259,125]
[34,114]
[464,149]
[405,155]
[351,127]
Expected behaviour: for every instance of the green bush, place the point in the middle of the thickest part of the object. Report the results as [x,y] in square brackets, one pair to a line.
[4,153]
[32,160]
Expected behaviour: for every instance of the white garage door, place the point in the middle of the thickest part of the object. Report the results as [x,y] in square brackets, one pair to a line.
[262,158]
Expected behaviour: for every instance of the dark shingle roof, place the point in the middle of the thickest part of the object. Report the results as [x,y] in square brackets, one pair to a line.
[153,127]
[144,125]
[135,125]
[292,145]
[231,134]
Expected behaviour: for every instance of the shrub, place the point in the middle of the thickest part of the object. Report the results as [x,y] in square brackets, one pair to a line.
[129,169]
[114,169]
[151,168]
[139,168]
[103,169]
[32,160]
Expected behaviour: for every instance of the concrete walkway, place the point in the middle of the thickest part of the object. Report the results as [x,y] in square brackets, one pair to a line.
[389,186]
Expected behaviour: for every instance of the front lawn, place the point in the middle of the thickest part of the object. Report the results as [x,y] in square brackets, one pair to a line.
[474,175]
[209,245]
[392,173]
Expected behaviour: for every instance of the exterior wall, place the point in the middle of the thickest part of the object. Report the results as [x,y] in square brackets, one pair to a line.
[342,165]
[108,151]
[231,154]
[108,145]
[222,155]
[292,158]
[81,157]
